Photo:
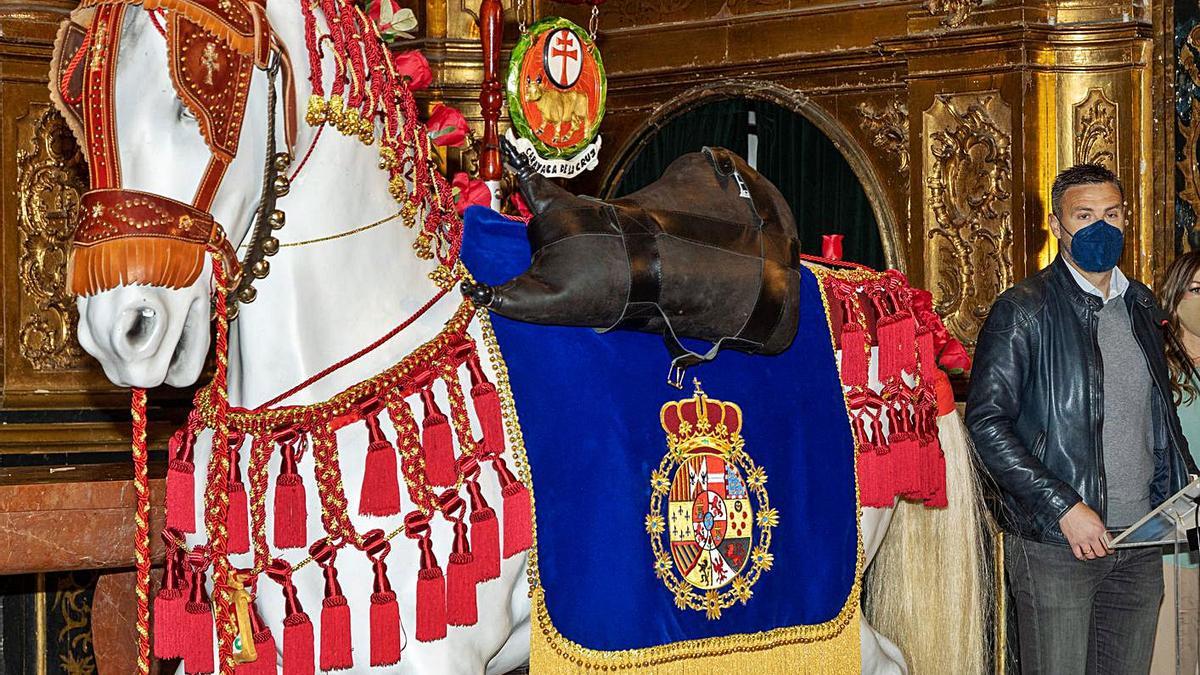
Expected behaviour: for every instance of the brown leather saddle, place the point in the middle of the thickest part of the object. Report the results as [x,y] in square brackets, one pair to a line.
[707,251]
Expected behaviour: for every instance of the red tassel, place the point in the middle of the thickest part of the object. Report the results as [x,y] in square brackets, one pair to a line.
[485,534]
[431,585]
[855,356]
[181,482]
[264,649]
[485,544]
[487,408]
[518,511]
[889,337]
[336,645]
[291,512]
[461,606]
[380,495]
[298,645]
[906,341]
[170,607]
[437,443]
[198,641]
[385,629]
[876,487]
[937,497]
[297,637]
[906,454]
[385,645]
[237,517]
[926,352]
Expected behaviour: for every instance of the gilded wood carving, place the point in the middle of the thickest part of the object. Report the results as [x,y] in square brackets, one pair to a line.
[648,11]
[51,176]
[1188,128]
[1095,130]
[968,206]
[888,129]
[954,12]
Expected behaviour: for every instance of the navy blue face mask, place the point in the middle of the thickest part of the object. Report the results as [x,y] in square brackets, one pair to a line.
[1097,247]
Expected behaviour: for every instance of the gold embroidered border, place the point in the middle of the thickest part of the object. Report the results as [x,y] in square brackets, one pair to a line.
[829,647]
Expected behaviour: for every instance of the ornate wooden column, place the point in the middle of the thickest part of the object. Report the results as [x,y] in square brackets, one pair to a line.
[1003,96]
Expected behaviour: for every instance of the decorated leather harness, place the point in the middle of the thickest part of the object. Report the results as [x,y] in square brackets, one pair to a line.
[128,236]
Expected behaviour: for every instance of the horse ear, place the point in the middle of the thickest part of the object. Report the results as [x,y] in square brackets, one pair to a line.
[67,70]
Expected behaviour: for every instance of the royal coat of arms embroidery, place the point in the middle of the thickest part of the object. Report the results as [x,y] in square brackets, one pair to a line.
[710,520]
[556,89]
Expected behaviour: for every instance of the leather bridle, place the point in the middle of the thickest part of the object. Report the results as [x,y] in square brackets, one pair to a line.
[132,237]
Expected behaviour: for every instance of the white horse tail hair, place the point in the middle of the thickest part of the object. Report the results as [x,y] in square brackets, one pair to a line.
[930,589]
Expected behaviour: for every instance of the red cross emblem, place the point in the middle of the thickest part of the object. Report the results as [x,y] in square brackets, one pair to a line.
[563,58]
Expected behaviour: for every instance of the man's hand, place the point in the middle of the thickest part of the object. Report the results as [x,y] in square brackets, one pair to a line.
[1085,532]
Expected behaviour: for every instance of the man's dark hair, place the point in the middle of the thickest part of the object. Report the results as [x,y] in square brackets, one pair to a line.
[1080,174]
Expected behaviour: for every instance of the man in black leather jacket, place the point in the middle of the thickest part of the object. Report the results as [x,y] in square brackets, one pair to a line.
[1071,416]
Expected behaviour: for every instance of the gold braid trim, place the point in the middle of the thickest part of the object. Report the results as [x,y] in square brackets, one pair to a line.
[266,422]
[829,647]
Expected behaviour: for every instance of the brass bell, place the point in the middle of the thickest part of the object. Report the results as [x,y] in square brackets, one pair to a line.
[231,312]
[277,219]
[247,294]
[270,246]
[282,186]
[261,269]
[282,161]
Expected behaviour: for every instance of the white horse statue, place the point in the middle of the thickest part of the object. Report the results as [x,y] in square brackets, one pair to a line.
[339,283]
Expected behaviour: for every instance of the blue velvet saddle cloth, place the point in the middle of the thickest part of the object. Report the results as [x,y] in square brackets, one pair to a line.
[589,411]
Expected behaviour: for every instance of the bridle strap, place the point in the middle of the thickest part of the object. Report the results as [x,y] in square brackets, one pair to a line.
[210,182]
[99,96]
[151,216]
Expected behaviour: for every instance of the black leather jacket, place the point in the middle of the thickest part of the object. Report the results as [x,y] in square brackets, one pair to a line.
[1036,402]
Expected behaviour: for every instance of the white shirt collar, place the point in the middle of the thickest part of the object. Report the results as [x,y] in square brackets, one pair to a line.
[1116,286]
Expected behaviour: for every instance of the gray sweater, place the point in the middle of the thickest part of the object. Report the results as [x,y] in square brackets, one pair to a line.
[1127,430]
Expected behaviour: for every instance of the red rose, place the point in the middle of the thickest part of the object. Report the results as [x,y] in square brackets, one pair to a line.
[954,358]
[518,203]
[446,126]
[469,192]
[413,66]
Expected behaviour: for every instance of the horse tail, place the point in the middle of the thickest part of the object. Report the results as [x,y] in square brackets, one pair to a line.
[930,589]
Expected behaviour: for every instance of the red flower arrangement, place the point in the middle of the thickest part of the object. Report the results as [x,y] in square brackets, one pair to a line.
[413,67]
[447,126]
[469,192]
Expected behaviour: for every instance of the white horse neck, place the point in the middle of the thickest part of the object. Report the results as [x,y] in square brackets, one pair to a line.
[326,300]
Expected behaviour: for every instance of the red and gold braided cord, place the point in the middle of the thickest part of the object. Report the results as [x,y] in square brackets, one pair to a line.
[217,498]
[141,519]
[412,461]
[327,413]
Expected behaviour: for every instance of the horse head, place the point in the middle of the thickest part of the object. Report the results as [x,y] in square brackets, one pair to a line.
[174,103]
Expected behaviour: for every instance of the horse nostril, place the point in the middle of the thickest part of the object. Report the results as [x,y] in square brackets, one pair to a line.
[142,326]
[139,329]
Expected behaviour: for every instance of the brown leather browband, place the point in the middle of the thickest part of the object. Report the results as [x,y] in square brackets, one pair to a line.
[113,214]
